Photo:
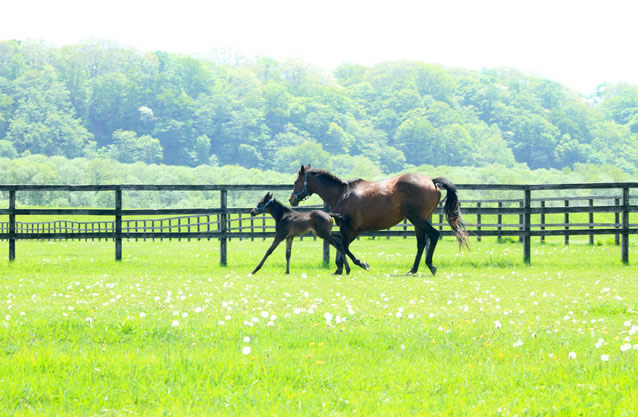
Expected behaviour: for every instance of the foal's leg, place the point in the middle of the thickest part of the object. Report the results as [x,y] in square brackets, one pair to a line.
[347,238]
[340,258]
[288,250]
[272,247]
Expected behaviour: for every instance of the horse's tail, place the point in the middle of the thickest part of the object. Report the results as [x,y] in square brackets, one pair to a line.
[451,210]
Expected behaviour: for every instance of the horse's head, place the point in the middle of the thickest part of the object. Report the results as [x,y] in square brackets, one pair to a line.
[300,190]
[262,205]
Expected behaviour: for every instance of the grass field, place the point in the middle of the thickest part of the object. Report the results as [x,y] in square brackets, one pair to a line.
[169,332]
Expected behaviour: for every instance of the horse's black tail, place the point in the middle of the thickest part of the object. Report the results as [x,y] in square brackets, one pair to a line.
[451,210]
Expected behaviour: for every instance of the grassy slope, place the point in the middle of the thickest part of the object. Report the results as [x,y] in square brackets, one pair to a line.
[163,332]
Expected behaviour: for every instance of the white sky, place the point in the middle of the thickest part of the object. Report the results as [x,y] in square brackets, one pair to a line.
[579,43]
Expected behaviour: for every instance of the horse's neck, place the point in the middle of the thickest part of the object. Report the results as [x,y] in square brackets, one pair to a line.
[329,190]
[277,210]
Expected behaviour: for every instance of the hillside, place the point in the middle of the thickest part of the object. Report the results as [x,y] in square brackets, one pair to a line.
[101,100]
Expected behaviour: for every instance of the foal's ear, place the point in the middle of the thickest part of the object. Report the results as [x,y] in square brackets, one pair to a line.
[269,196]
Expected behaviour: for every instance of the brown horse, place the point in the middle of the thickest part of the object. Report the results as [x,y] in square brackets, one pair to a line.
[290,223]
[375,205]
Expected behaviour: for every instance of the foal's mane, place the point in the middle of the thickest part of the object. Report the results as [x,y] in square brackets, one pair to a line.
[276,203]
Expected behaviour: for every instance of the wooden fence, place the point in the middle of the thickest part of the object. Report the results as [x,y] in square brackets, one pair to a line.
[487,217]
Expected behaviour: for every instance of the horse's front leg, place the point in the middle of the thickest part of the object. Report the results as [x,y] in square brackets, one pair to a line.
[288,251]
[272,247]
[336,240]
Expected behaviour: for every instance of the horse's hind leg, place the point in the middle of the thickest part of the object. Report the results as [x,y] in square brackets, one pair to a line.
[420,246]
[433,237]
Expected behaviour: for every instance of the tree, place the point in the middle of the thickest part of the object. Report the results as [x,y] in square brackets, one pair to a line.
[7,150]
[532,139]
[415,137]
[202,150]
[289,159]
[620,103]
[44,120]
[113,104]
[277,106]
[128,148]
[489,146]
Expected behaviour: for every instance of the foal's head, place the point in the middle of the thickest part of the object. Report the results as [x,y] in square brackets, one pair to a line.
[262,205]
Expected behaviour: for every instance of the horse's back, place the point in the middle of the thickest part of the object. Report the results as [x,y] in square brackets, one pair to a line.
[418,194]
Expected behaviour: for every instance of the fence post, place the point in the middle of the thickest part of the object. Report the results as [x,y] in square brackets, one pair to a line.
[478,221]
[542,220]
[521,219]
[617,221]
[591,221]
[566,223]
[326,245]
[223,226]
[12,225]
[118,224]
[625,226]
[527,226]
[499,220]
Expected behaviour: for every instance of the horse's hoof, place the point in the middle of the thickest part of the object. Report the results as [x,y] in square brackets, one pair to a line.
[432,269]
[365,266]
[337,272]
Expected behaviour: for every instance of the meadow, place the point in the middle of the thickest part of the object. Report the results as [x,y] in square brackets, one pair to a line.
[168,331]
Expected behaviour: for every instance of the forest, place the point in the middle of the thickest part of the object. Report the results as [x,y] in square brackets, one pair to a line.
[98,101]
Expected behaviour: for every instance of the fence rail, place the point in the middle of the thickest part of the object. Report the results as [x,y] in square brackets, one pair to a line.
[225,223]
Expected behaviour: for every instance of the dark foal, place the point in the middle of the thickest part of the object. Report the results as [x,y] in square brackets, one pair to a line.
[291,223]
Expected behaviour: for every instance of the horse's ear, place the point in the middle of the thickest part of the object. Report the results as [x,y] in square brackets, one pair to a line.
[302,170]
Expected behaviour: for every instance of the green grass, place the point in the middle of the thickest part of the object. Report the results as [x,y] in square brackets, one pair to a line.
[163,332]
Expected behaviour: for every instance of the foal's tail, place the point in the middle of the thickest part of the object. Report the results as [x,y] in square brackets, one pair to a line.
[339,218]
[451,210]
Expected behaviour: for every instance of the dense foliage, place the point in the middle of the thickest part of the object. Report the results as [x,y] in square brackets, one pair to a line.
[40,169]
[102,100]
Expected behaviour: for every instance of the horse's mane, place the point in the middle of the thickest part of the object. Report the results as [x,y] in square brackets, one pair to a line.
[328,175]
